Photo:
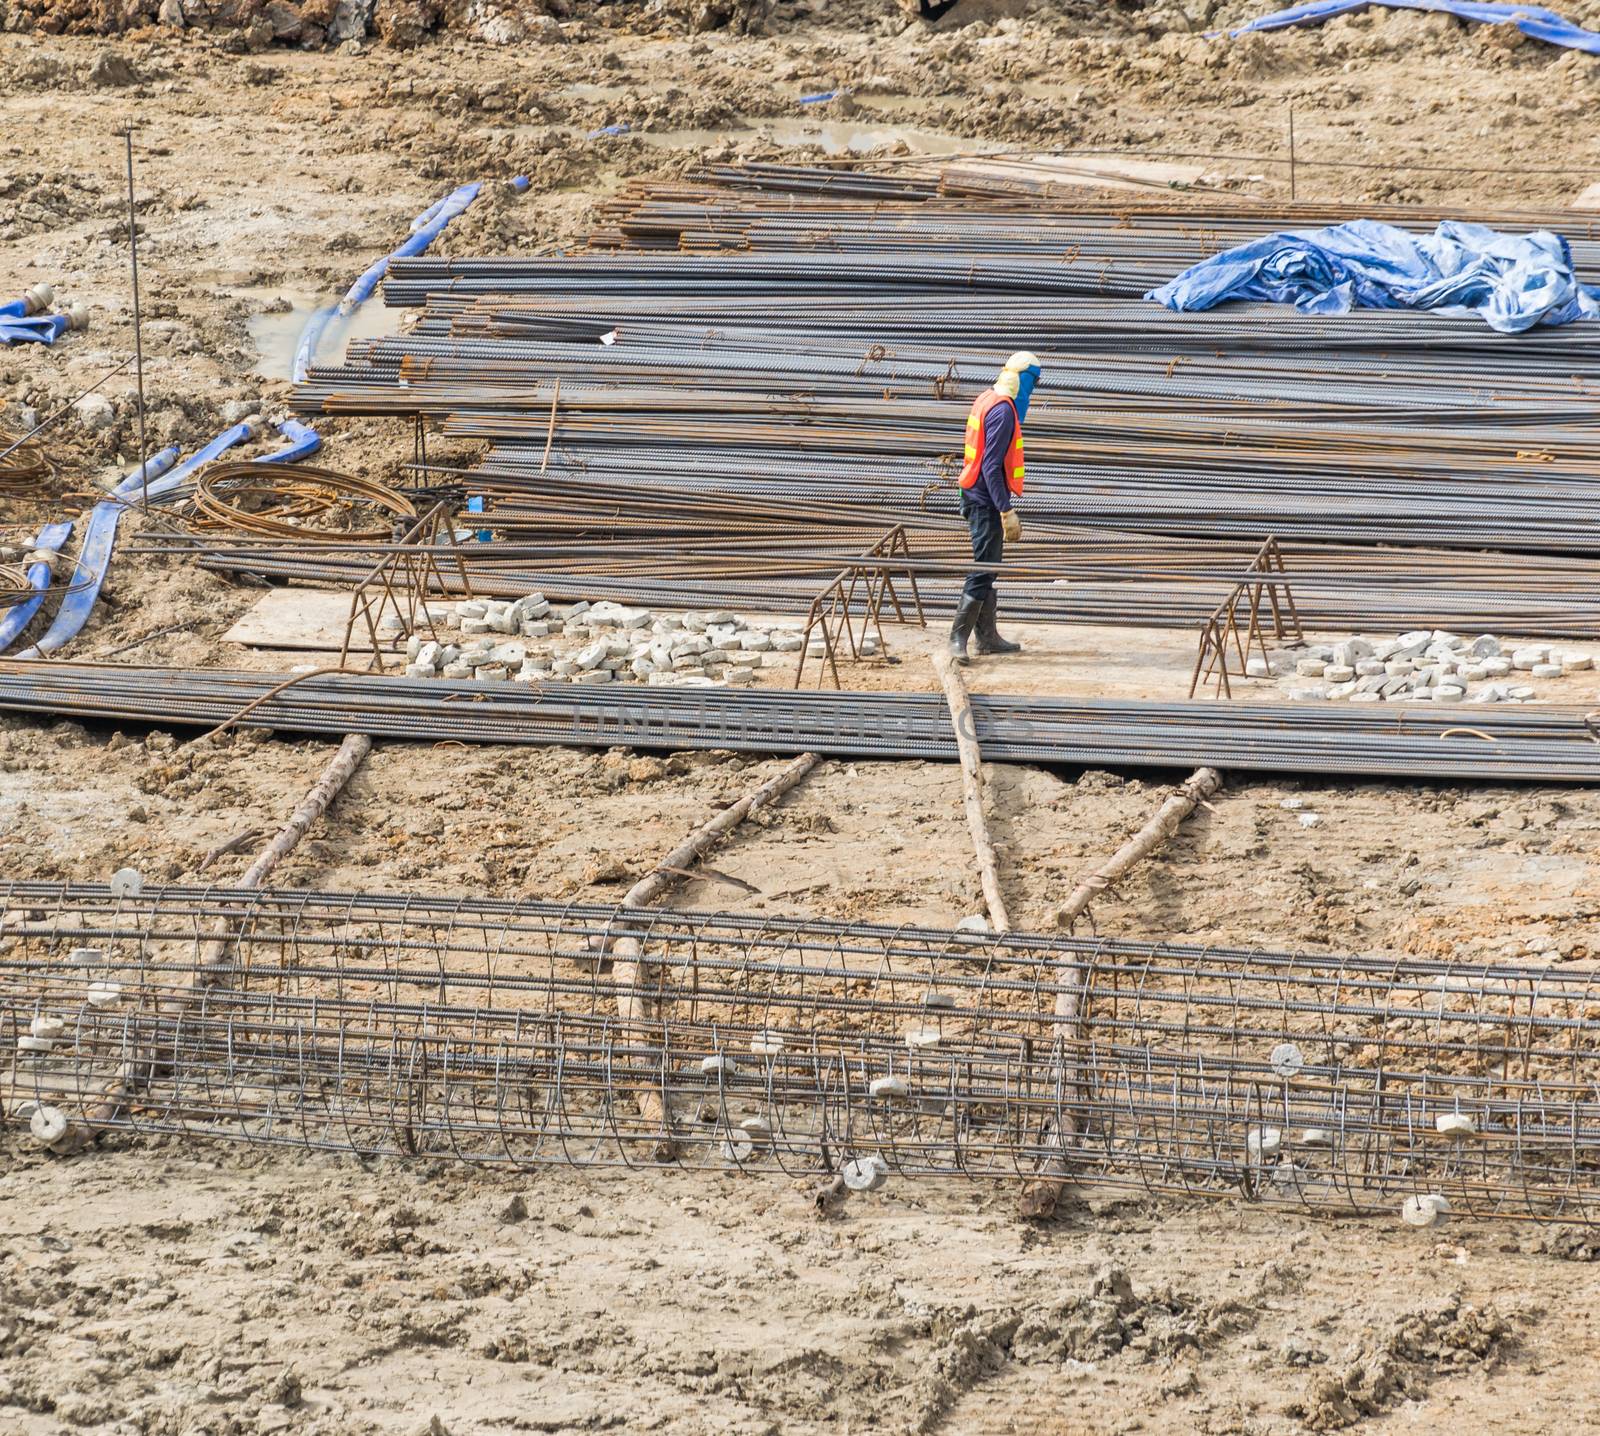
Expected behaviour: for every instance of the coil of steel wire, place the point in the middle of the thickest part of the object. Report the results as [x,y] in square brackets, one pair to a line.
[15,586]
[25,471]
[293,501]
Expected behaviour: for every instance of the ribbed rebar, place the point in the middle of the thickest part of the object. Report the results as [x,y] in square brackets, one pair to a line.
[1543,743]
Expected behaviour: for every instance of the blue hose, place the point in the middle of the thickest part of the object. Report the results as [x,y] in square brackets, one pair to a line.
[303,443]
[422,236]
[131,488]
[40,329]
[426,228]
[16,618]
[94,556]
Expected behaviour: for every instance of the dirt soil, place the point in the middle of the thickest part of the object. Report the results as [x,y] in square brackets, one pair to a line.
[168,1289]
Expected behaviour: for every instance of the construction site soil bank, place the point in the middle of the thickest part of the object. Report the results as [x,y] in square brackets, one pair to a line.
[514,912]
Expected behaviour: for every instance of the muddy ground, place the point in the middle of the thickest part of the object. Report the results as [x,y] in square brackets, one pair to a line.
[168,1289]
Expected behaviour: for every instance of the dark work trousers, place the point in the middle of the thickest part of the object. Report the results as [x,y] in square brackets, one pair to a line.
[988,544]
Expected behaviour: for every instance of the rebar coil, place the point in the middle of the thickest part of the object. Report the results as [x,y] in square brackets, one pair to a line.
[24,470]
[291,498]
[14,585]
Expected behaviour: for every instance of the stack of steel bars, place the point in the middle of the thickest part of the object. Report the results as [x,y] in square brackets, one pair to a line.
[776,207]
[832,359]
[1505,742]
[591,540]
[820,362]
[488,1032]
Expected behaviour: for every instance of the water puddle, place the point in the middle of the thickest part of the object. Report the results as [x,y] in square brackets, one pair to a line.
[277,336]
[585,91]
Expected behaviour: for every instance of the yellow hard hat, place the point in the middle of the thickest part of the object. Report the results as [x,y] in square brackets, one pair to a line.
[1022,360]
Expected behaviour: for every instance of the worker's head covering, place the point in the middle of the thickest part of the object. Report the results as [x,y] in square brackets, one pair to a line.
[1017,379]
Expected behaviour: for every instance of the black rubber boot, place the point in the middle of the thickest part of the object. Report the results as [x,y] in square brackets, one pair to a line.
[967,612]
[989,639]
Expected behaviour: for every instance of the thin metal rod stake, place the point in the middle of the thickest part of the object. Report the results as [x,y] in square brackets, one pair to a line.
[1292,187]
[138,330]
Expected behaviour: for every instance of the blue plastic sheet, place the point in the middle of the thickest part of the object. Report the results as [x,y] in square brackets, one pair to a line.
[1532,20]
[1511,281]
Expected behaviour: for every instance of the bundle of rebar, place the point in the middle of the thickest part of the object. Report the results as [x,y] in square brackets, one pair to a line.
[824,361]
[494,1032]
[1543,743]
[589,540]
[756,207]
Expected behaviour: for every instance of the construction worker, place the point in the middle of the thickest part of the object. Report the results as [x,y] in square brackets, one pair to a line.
[991,480]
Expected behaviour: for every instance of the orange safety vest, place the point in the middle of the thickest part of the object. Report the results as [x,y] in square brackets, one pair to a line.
[974,451]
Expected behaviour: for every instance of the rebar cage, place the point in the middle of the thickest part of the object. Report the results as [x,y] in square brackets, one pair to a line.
[501,1032]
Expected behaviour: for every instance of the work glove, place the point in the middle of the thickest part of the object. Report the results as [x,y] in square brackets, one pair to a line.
[1011,525]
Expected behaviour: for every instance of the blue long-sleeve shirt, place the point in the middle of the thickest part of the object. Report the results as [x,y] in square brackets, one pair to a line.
[999,425]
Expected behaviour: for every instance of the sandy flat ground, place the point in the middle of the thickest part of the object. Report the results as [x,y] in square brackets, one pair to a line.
[165,1288]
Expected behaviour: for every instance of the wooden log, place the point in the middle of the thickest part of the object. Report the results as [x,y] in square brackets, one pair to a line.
[352,753]
[137,1073]
[961,719]
[671,869]
[1039,1197]
[639,1003]
[1162,827]
[231,845]
[341,768]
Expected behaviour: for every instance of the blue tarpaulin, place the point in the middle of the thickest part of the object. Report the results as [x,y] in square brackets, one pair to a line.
[1511,281]
[1532,20]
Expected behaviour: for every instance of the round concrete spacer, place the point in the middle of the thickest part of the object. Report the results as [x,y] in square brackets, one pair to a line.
[757,1129]
[767,1044]
[939,999]
[716,1064]
[1456,1125]
[865,1174]
[34,1046]
[1263,1141]
[1287,1060]
[737,1146]
[43,1026]
[48,1125]
[1424,1211]
[1289,1175]
[104,994]
[1317,1137]
[922,1037]
[127,882]
[889,1088]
